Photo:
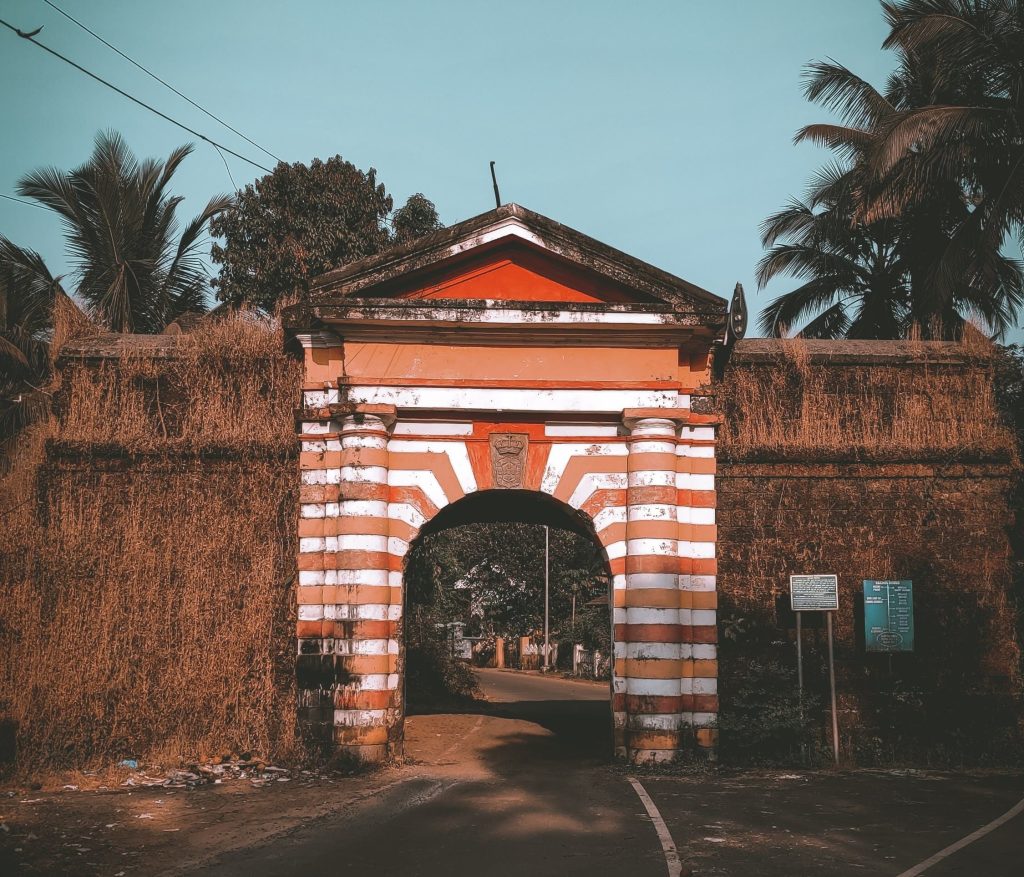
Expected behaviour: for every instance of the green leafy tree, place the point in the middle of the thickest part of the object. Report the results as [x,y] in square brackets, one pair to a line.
[302,220]
[498,570]
[130,266]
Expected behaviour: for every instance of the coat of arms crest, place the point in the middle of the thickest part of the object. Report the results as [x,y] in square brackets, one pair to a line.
[508,458]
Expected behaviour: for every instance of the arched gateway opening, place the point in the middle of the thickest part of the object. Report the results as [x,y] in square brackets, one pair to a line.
[482,580]
[507,367]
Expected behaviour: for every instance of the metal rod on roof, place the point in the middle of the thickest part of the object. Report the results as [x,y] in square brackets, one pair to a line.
[497,194]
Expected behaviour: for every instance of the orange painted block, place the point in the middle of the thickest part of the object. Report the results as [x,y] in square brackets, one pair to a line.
[702,499]
[311,460]
[362,700]
[702,599]
[657,461]
[362,457]
[653,598]
[368,736]
[664,529]
[705,703]
[311,527]
[651,633]
[364,665]
[703,533]
[646,739]
[361,629]
[707,737]
[641,704]
[310,596]
[617,565]
[357,560]
[652,563]
[311,560]
[704,566]
[704,669]
[703,634]
[358,595]
[655,668]
[365,491]
[652,495]
[362,526]
[309,629]
[703,465]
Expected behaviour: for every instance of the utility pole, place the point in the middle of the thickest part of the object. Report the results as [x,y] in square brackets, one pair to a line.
[574,649]
[547,565]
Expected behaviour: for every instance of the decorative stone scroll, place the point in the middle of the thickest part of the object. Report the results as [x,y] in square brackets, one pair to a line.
[508,458]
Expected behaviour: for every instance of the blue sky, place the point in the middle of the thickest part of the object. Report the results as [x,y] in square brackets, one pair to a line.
[662,128]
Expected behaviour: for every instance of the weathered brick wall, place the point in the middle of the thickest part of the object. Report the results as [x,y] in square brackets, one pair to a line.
[939,516]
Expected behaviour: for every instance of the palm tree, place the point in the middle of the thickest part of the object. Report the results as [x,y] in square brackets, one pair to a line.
[855,281]
[937,245]
[131,267]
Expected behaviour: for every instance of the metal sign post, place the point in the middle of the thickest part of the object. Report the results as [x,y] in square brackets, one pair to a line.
[817,593]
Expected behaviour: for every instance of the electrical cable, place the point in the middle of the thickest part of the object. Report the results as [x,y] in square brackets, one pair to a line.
[30,38]
[163,82]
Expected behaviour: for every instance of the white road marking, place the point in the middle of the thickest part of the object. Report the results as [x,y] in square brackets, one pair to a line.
[668,846]
[1016,810]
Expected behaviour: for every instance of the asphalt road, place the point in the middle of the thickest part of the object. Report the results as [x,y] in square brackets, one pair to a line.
[523,785]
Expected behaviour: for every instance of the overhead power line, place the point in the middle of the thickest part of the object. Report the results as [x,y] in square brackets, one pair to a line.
[23,201]
[132,98]
[163,82]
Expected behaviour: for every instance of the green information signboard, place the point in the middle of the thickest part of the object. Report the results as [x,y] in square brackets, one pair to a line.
[889,615]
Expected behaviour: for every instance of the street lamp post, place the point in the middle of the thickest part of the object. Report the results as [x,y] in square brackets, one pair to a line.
[547,563]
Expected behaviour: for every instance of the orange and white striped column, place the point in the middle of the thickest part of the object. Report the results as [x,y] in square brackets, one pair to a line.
[695,480]
[365,618]
[649,629]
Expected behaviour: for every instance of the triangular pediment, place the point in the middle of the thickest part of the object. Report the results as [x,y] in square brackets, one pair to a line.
[511,254]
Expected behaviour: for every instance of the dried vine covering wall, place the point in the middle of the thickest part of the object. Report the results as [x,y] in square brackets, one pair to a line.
[147,596]
[869,460]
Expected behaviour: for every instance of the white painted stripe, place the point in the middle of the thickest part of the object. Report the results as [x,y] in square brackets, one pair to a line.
[456,451]
[367,612]
[655,651]
[692,481]
[593,481]
[638,615]
[320,398]
[432,427]
[560,455]
[317,447]
[311,577]
[363,647]
[704,686]
[651,511]
[699,433]
[652,478]
[615,549]
[373,682]
[652,580]
[403,511]
[944,853]
[363,508]
[651,446]
[602,430]
[703,617]
[615,514]
[311,545]
[362,577]
[315,427]
[423,479]
[359,718]
[359,542]
[702,516]
[655,721]
[365,474]
[705,652]
[668,846]
[508,399]
[652,687]
[312,510]
[398,547]
[651,547]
